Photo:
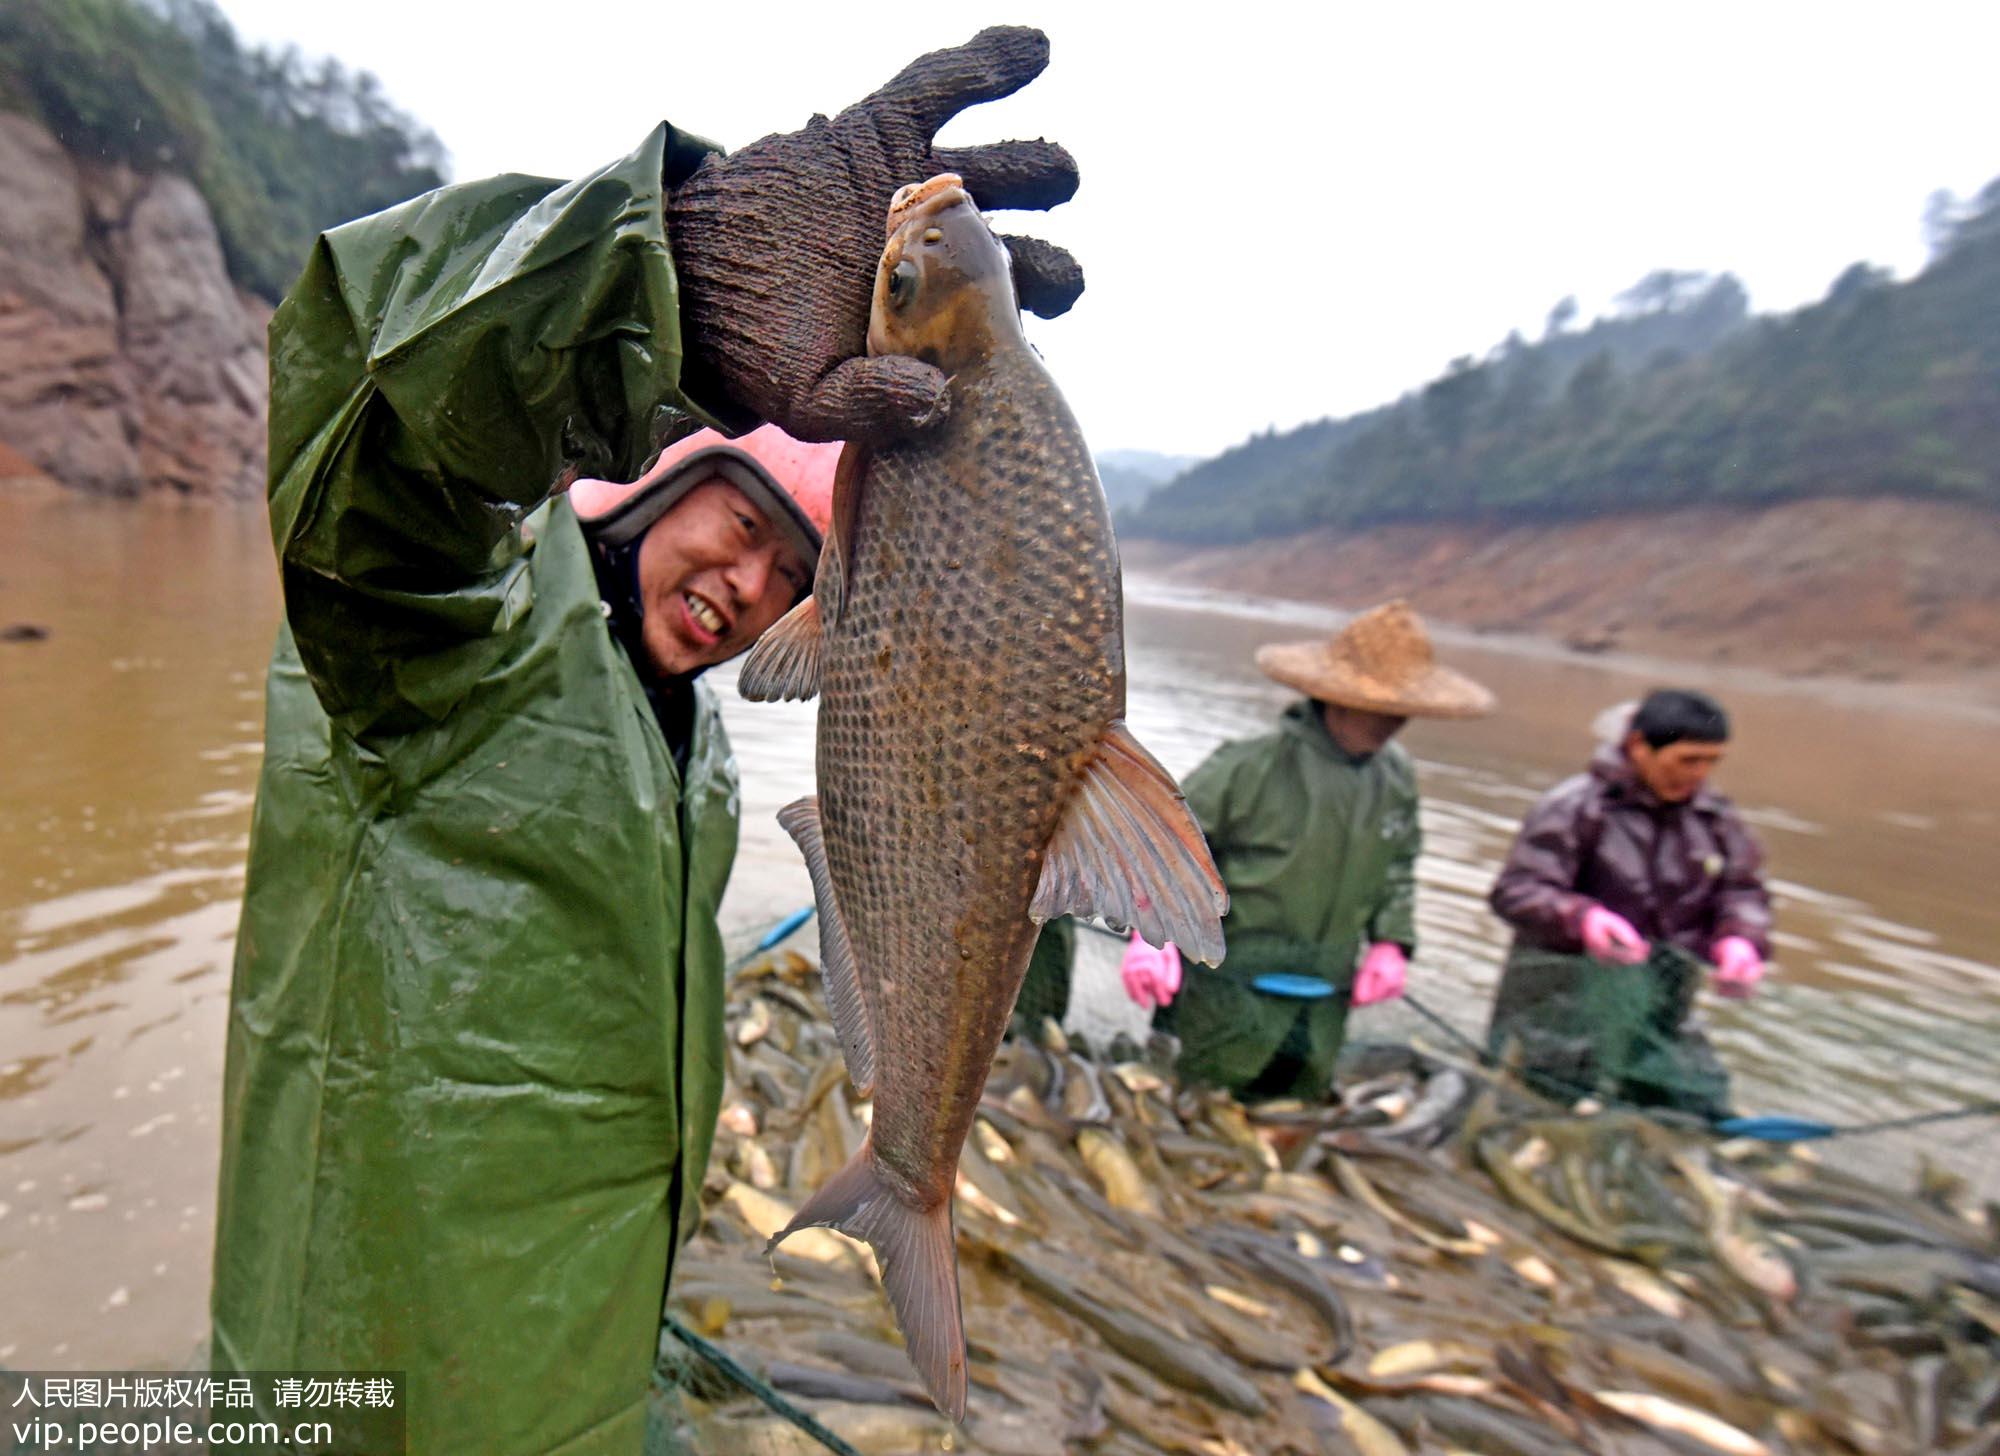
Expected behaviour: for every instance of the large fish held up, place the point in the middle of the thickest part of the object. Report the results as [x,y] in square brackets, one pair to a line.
[966,641]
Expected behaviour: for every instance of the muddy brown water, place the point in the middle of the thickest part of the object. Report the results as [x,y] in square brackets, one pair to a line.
[129,746]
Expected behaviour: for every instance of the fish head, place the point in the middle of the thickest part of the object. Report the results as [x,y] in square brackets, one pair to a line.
[944,292]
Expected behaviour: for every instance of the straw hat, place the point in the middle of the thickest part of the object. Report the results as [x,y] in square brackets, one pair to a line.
[1380,662]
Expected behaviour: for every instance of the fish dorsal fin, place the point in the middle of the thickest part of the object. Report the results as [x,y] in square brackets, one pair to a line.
[785,663]
[1129,850]
[800,819]
[830,585]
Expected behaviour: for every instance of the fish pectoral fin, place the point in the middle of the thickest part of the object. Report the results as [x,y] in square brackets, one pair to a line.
[785,663]
[919,1259]
[1128,849]
[800,819]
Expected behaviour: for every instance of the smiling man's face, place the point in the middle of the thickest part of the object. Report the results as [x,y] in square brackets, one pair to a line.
[714,573]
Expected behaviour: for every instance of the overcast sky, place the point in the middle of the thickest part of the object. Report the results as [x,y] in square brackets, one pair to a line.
[1288,211]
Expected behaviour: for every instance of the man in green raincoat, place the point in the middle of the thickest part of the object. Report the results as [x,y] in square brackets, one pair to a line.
[1314,829]
[475,1034]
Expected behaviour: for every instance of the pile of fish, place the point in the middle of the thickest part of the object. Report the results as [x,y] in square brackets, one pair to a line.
[1435,1263]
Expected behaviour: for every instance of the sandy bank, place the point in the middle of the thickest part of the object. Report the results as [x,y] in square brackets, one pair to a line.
[1870,589]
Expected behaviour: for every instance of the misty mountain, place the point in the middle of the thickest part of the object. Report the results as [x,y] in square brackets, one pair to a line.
[1130,476]
[1151,464]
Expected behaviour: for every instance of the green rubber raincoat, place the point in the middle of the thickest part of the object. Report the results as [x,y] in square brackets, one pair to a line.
[1318,849]
[475,1035]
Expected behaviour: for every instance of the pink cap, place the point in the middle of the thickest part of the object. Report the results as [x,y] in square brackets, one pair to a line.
[791,480]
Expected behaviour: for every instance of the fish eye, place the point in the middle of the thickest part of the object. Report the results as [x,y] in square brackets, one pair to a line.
[902,283]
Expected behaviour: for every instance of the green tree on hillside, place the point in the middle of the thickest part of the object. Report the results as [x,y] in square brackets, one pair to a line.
[1664,290]
[1561,317]
[1451,402]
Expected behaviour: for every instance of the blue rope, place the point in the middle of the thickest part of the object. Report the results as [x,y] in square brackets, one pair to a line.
[774,936]
[1777,1127]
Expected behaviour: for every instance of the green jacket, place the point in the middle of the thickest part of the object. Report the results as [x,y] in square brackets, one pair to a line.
[475,1037]
[1318,849]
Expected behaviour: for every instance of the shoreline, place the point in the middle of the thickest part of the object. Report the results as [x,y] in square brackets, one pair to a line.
[1261,578]
[1973,695]
[1863,621]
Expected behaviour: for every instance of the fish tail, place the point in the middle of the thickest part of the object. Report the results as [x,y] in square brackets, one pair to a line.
[919,1260]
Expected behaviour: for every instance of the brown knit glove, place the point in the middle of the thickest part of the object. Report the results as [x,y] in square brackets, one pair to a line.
[776,245]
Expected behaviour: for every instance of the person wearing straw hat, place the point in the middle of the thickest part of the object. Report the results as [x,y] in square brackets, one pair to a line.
[1314,829]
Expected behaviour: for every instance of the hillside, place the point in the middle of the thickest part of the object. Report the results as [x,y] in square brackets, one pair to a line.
[1682,399]
[1878,588]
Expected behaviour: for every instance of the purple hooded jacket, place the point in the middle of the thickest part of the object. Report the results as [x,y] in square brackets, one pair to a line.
[1688,874]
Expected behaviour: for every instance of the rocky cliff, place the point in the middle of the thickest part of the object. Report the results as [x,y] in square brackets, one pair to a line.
[129,363]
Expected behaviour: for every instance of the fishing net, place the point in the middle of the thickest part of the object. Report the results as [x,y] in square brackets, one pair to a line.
[1045,989]
[668,1431]
[678,1377]
[1577,1027]
[1148,1267]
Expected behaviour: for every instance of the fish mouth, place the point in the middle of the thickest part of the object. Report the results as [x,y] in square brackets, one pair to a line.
[926,199]
[710,620]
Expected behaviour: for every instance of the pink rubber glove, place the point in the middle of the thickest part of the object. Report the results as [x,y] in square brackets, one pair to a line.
[1610,937]
[1383,971]
[1738,967]
[1151,976]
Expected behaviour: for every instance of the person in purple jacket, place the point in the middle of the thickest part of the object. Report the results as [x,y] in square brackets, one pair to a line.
[1625,885]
